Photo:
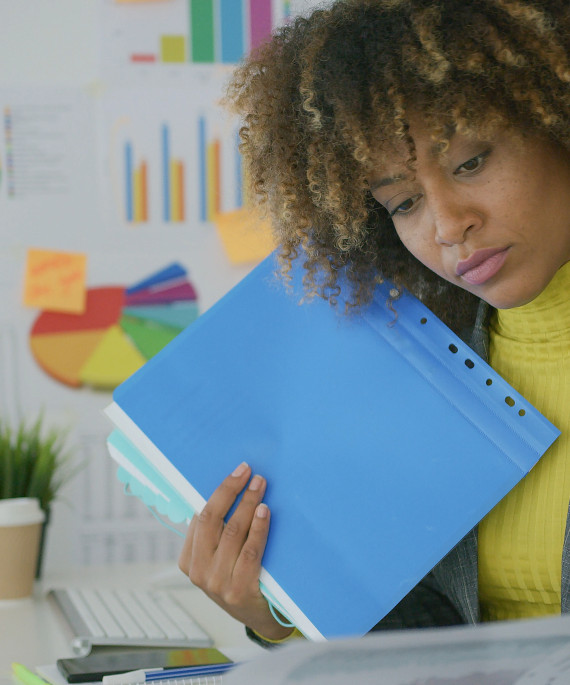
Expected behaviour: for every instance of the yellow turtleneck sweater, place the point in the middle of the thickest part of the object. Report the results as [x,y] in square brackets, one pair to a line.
[520,540]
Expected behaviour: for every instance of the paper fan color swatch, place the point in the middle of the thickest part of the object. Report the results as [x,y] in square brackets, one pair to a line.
[119,331]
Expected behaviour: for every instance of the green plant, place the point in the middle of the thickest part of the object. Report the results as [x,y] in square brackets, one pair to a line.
[33,461]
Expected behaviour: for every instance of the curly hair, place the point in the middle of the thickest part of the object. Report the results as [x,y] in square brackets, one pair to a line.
[328,92]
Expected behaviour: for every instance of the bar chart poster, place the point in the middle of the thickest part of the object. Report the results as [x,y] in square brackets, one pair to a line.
[189,32]
[171,159]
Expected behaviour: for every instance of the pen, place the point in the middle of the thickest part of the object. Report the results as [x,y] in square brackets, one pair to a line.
[26,676]
[157,674]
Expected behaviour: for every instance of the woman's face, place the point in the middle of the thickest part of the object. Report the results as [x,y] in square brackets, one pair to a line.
[490,217]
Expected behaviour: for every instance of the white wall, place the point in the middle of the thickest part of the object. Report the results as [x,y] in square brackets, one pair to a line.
[52,49]
[49,42]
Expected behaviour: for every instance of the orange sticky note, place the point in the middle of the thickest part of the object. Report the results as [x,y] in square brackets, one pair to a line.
[245,236]
[56,281]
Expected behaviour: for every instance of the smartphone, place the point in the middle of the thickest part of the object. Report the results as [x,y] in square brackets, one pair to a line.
[98,664]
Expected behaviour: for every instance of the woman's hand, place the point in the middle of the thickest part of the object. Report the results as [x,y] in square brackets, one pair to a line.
[224,560]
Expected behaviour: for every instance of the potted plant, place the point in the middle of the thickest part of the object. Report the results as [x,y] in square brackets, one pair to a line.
[33,463]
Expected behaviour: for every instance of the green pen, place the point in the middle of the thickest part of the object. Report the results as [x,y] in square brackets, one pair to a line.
[26,676]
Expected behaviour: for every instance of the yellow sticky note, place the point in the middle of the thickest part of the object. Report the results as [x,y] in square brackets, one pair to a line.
[56,281]
[245,236]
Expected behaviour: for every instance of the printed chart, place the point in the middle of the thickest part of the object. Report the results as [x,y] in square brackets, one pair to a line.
[119,331]
[189,32]
[48,164]
[175,161]
[36,140]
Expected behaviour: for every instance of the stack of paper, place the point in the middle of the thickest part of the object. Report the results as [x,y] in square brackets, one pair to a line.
[531,652]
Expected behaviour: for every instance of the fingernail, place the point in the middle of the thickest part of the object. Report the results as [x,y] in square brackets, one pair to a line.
[256,482]
[240,470]
[262,511]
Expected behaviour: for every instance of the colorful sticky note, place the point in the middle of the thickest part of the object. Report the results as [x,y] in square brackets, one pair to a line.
[55,280]
[246,238]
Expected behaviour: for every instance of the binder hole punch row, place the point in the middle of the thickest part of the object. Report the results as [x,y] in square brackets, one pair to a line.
[470,364]
[489,381]
[510,401]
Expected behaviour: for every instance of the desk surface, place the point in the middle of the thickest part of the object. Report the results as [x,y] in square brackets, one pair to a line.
[33,633]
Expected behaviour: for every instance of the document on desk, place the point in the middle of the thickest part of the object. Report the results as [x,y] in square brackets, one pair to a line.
[530,652]
[383,437]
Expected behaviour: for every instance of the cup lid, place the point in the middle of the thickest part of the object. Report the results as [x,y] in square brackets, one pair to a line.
[20,511]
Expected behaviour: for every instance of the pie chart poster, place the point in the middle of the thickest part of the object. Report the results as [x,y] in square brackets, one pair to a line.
[120,329]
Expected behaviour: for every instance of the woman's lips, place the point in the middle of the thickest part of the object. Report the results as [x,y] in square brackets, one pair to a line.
[481,265]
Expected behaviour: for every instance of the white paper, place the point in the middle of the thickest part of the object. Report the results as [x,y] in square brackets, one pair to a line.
[48,175]
[528,652]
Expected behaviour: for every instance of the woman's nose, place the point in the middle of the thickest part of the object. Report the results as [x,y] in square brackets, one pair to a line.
[453,218]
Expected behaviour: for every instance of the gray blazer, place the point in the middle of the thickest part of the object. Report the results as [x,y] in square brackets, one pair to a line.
[449,593]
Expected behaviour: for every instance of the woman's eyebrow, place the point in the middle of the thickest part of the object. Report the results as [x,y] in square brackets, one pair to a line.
[386,181]
[435,151]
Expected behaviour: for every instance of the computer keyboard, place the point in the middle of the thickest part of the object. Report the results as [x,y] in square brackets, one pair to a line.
[124,617]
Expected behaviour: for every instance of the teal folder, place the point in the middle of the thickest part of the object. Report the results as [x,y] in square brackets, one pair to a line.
[383,437]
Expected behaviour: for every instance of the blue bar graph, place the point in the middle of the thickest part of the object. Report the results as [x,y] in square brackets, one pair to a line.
[232,31]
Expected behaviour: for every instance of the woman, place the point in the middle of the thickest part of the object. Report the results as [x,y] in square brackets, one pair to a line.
[427,142]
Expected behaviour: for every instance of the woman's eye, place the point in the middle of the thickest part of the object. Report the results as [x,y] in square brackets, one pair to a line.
[473,164]
[405,207]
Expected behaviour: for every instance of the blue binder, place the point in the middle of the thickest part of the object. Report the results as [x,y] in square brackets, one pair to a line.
[384,440]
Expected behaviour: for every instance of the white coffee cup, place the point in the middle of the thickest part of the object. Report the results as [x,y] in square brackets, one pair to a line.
[21,520]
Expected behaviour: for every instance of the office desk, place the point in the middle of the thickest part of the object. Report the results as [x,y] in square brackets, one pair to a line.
[33,632]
